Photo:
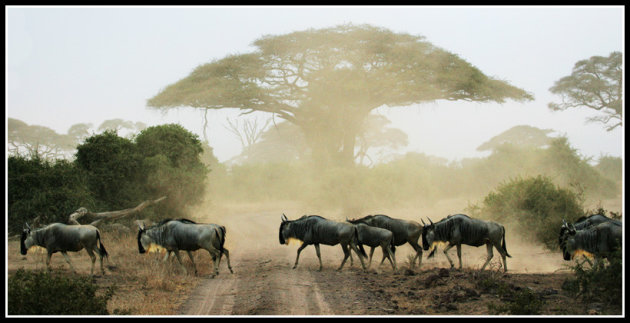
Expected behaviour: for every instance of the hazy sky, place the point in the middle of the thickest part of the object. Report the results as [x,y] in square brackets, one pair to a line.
[68,65]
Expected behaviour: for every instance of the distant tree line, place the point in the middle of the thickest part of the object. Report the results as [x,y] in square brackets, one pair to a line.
[110,172]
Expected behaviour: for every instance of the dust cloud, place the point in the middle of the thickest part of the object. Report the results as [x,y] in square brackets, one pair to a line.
[253,228]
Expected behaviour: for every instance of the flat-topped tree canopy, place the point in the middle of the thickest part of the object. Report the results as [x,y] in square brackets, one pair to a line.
[328,80]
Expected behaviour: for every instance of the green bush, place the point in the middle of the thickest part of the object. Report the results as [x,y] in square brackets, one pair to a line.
[49,189]
[114,170]
[534,205]
[46,293]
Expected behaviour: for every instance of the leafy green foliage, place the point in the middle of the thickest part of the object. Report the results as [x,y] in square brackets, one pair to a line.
[172,166]
[46,293]
[37,187]
[534,205]
[112,173]
[114,170]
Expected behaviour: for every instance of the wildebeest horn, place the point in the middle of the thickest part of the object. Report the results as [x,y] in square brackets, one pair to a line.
[27,226]
[284,217]
[423,224]
[430,220]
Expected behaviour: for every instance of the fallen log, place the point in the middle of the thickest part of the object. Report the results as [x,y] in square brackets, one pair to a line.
[110,215]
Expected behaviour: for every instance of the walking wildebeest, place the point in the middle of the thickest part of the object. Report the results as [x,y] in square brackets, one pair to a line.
[404,231]
[599,240]
[374,237]
[59,237]
[461,229]
[187,235]
[581,224]
[316,230]
[585,222]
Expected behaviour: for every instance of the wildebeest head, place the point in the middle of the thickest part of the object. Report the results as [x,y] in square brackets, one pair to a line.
[428,234]
[284,229]
[26,239]
[567,241]
[143,239]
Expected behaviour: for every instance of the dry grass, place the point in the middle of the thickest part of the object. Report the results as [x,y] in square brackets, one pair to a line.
[144,284]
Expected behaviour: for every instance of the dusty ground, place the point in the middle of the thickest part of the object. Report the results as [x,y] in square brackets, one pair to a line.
[263,282]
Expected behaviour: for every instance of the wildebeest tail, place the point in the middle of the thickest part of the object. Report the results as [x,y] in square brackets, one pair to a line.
[362,250]
[503,245]
[101,247]
[355,237]
[222,228]
[392,247]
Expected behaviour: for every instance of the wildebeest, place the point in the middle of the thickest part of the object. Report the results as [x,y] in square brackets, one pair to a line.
[374,237]
[404,231]
[585,222]
[461,229]
[581,224]
[187,235]
[59,237]
[316,230]
[599,240]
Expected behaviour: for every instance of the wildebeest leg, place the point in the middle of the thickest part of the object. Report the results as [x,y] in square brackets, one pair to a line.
[227,257]
[387,252]
[298,253]
[346,254]
[459,255]
[48,260]
[319,256]
[356,250]
[371,253]
[180,260]
[418,256]
[192,260]
[65,255]
[490,255]
[93,257]
[446,254]
[351,260]
[503,255]
[100,259]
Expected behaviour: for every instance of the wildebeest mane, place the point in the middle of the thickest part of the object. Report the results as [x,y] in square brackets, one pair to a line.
[302,225]
[368,217]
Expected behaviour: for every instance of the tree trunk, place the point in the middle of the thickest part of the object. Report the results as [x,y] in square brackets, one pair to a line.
[80,212]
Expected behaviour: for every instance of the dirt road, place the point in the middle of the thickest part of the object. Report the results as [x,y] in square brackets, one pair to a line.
[264,282]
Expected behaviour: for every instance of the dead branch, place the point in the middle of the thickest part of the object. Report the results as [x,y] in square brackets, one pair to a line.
[80,212]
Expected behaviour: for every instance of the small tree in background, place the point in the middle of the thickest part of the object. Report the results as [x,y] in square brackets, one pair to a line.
[534,205]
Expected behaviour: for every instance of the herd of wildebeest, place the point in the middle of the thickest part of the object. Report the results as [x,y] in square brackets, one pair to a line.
[595,235]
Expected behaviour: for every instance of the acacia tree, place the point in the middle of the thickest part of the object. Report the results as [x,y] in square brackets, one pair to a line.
[521,136]
[595,83]
[327,81]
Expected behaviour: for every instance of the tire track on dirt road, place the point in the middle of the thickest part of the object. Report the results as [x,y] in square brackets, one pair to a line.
[262,284]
